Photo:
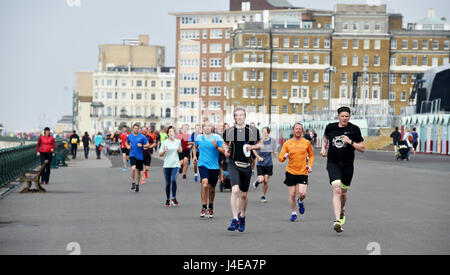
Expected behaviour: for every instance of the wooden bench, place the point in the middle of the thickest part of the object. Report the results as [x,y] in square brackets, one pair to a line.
[33,176]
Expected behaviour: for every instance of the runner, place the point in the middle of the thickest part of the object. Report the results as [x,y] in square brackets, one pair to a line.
[300,153]
[125,152]
[98,144]
[135,143]
[264,165]
[147,153]
[209,145]
[184,156]
[222,157]
[239,141]
[415,140]
[198,132]
[170,148]
[396,137]
[343,138]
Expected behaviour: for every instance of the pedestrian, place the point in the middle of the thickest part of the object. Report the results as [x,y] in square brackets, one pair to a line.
[239,141]
[136,142]
[185,155]
[170,148]
[98,144]
[300,153]
[343,139]
[44,149]
[408,138]
[147,152]
[415,140]
[74,141]
[86,141]
[396,137]
[210,147]
[264,166]
[222,157]
[307,135]
[194,135]
[123,146]
[314,138]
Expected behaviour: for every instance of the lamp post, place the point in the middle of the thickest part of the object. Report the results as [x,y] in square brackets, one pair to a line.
[330,70]
[364,93]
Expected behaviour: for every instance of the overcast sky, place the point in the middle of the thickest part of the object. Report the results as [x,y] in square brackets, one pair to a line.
[44,42]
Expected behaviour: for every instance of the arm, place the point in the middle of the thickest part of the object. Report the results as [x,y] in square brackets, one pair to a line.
[311,158]
[281,156]
[360,147]
[323,150]
[53,145]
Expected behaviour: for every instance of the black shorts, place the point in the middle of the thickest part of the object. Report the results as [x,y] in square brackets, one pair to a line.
[415,145]
[137,162]
[125,151]
[211,174]
[240,176]
[342,172]
[292,180]
[147,159]
[184,154]
[264,170]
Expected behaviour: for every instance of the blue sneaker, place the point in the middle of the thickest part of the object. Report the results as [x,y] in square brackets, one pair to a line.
[124,169]
[128,161]
[301,207]
[234,225]
[241,224]
[293,217]
[195,178]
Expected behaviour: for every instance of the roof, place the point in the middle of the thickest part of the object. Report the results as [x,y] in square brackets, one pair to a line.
[430,20]
[280,3]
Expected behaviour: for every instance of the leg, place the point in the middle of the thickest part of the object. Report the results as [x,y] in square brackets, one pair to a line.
[174,182]
[167,177]
[212,193]
[302,188]
[266,184]
[343,198]
[124,159]
[243,203]
[234,201]
[204,191]
[337,193]
[185,165]
[133,176]
[292,196]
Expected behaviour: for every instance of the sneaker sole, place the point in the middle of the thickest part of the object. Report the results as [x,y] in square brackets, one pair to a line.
[338,228]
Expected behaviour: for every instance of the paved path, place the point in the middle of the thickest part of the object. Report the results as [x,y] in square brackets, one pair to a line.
[403,206]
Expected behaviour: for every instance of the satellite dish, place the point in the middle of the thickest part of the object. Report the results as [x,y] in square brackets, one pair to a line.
[373,2]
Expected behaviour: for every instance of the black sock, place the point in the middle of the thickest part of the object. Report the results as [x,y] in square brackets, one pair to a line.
[204,206]
[210,206]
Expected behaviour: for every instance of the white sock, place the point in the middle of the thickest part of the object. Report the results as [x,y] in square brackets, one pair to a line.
[294,213]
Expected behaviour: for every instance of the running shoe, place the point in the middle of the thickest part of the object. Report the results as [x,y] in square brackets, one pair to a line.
[143,181]
[293,217]
[337,226]
[128,161]
[342,217]
[124,169]
[263,199]
[203,213]
[234,225]
[133,186]
[195,178]
[167,204]
[184,177]
[210,213]
[180,170]
[255,184]
[301,207]
[137,188]
[241,224]
[174,202]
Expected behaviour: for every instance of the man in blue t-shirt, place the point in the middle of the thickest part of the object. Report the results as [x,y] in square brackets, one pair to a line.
[135,142]
[210,146]
[194,135]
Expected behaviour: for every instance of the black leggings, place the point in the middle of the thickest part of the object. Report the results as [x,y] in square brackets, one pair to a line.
[45,176]
[86,151]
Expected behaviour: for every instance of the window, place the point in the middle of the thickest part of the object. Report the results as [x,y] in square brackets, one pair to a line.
[274,76]
[403,78]
[424,61]
[253,75]
[216,19]
[305,59]
[139,96]
[366,60]
[261,76]
[204,48]
[275,42]
[345,26]
[391,96]
[355,43]
[366,44]
[274,109]
[215,91]
[344,77]
[414,61]
[284,109]
[316,43]
[305,76]
[245,75]
[315,94]
[394,44]
[404,44]
[377,26]
[215,48]
[245,92]
[343,92]
[404,61]
[325,94]
[375,94]
[286,43]
[124,95]
[216,34]
[286,59]
[355,26]
[275,58]
[366,26]
[376,60]
[306,43]
[316,59]
[424,44]
[344,43]
[376,78]
[315,77]
[446,44]
[344,60]
[296,42]
[190,34]
[415,44]
[260,93]
[215,62]
[285,93]
[205,34]
[252,92]
[295,76]
[295,59]
[259,43]
[274,93]
[434,62]
[326,77]
[355,60]
[393,61]
[377,44]
[435,44]
[109,95]
[260,58]
[326,43]
[403,96]
[392,78]
[285,76]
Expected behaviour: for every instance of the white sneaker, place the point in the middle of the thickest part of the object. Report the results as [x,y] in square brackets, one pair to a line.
[337,226]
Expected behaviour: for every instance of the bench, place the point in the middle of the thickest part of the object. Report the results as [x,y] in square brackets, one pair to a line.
[33,176]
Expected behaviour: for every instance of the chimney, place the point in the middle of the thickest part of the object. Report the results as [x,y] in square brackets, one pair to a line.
[143,40]
[431,13]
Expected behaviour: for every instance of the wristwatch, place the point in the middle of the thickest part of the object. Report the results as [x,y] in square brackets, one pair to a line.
[352,142]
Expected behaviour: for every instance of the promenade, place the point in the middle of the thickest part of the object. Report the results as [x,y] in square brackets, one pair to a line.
[401,206]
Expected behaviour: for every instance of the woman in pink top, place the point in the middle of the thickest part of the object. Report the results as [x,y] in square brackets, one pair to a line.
[45,148]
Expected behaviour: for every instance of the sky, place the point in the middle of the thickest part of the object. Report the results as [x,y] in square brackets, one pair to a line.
[44,42]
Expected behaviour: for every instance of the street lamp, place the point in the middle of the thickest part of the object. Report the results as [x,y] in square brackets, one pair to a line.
[330,70]
[365,80]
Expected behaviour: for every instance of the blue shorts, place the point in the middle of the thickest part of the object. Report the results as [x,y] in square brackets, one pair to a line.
[211,174]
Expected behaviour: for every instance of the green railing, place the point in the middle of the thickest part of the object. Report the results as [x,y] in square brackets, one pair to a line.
[14,161]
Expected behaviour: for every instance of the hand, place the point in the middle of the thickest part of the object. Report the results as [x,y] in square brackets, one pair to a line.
[214,142]
[139,145]
[227,153]
[286,155]
[129,147]
[309,169]
[323,152]
[194,159]
[260,159]
[166,149]
[38,154]
[249,147]
[346,139]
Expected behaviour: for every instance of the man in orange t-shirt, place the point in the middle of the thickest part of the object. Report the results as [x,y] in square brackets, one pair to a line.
[301,158]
